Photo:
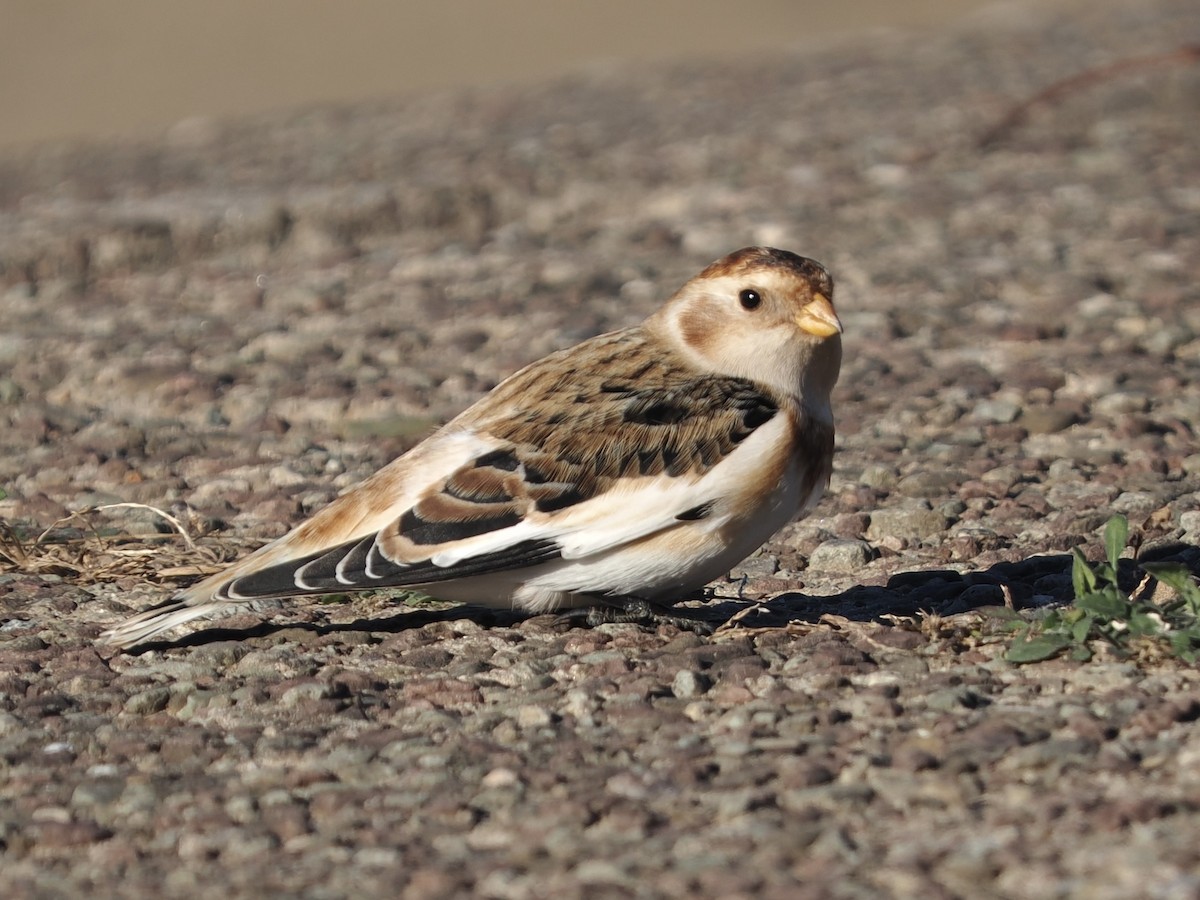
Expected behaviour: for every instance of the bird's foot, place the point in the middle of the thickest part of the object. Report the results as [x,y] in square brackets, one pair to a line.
[636,611]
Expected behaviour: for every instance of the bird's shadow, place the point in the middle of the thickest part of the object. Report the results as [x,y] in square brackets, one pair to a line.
[1035,580]
[394,624]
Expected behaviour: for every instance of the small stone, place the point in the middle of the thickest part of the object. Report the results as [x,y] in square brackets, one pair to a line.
[99,792]
[54,835]
[1005,476]
[25,643]
[149,701]
[931,482]
[531,716]
[309,690]
[283,477]
[185,706]
[1061,469]
[999,411]
[10,392]
[688,684]
[951,699]
[1135,502]
[760,566]
[500,778]
[952,509]
[1190,521]
[1047,419]
[844,556]
[376,857]
[849,525]
[882,478]
[1121,403]
[916,522]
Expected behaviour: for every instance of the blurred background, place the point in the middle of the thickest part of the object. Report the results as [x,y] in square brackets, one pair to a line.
[135,67]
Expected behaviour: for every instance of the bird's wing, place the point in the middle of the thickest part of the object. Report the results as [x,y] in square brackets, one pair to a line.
[569,465]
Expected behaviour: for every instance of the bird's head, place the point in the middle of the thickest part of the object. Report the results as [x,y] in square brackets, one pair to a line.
[762,314]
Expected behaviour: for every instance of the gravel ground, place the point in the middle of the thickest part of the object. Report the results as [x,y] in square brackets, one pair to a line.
[238,321]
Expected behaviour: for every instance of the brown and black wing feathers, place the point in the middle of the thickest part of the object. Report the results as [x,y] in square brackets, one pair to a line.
[358,565]
[567,439]
[564,436]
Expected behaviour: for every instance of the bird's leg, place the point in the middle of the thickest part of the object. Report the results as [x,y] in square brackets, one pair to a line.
[637,611]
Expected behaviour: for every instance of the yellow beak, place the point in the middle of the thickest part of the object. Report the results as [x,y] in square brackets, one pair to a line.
[818,318]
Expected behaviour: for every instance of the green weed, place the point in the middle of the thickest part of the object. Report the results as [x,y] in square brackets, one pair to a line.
[1102,612]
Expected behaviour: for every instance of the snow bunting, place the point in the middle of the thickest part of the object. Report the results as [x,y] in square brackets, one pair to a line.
[622,473]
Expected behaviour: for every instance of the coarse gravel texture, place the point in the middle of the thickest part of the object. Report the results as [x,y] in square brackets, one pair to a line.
[236,322]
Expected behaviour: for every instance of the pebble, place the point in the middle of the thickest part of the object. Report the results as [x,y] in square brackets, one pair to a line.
[305,692]
[1047,419]
[1004,476]
[1135,503]
[285,477]
[1190,522]
[1002,411]
[688,684]
[97,793]
[531,716]
[932,482]
[880,477]
[1121,403]
[758,566]
[914,521]
[148,701]
[841,556]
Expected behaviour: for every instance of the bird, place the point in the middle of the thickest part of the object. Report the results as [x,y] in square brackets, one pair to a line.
[622,474]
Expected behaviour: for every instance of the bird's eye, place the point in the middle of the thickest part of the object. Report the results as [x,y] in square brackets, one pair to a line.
[749,299]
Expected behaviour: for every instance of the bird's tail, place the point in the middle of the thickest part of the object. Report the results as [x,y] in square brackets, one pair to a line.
[154,621]
[201,600]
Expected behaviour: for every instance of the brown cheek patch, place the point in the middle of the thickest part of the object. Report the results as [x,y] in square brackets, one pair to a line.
[699,330]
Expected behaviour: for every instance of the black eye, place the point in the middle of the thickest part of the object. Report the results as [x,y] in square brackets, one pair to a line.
[749,299]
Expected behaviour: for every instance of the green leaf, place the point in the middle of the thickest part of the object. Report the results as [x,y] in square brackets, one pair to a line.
[1081,629]
[1179,579]
[1082,576]
[414,598]
[1183,644]
[1081,653]
[1104,604]
[1037,648]
[1189,651]
[1116,535]
[1145,623]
